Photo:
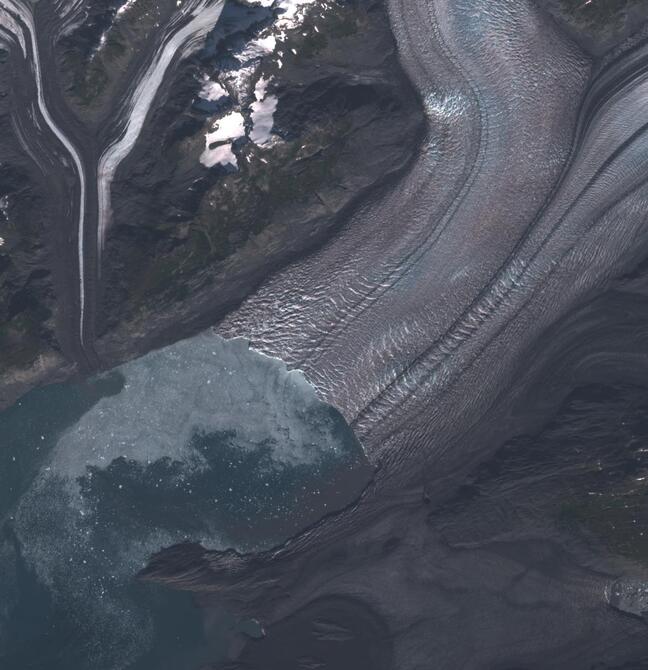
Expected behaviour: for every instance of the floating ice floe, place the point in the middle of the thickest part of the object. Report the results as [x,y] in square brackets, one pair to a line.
[200,436]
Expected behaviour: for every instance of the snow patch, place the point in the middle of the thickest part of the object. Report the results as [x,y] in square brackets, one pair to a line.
[263,46]
[293,12]
[125,7]
[221,155]
[231,127]
[262,113]
[212,91]
[290,14]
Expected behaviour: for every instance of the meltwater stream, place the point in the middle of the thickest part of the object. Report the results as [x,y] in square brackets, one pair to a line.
[204,441]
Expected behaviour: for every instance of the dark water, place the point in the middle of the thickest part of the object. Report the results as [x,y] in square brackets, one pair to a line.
[205,442]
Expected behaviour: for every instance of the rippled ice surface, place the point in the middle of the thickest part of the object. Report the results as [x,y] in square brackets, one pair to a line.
[204,441]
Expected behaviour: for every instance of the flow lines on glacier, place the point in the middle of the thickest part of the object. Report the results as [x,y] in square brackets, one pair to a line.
[203,15]
[608,163]
[12,15]
[188,26]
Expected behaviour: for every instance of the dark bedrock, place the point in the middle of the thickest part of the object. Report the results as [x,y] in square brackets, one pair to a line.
[167,272]
[597,26]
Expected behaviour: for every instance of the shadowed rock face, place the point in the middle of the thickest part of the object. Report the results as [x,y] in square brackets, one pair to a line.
[327,633]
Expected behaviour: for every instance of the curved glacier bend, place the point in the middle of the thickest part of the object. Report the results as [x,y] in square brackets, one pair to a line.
[429,270]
